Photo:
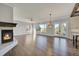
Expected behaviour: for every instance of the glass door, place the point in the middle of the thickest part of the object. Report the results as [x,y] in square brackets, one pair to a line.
[63,29]
[56,28]
[60,29]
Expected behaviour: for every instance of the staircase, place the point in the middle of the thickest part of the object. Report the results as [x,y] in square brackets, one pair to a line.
[75,11]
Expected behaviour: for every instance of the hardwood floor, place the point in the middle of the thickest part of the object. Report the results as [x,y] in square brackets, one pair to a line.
[44,46]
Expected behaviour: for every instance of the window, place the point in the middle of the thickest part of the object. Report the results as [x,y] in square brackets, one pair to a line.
[42,27]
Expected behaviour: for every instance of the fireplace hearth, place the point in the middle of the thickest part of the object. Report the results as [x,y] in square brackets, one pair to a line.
[7,36]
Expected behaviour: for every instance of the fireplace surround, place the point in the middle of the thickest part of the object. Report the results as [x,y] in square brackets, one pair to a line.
[6,36]
[7,40]
[6,32]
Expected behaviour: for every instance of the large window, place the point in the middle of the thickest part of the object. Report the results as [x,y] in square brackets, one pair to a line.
[56,29]
[43,27]
[60,28]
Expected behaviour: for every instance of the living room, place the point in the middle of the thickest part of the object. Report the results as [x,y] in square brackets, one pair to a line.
[39,29]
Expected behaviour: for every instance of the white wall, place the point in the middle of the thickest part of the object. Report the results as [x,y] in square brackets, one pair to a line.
[6,13]
[22,28]
[74,25]
[74,22]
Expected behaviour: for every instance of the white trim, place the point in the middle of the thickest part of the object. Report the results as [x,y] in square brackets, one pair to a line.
[52,35]
[4,48]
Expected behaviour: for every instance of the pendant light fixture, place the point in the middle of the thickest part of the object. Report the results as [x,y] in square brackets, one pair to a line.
[50,21]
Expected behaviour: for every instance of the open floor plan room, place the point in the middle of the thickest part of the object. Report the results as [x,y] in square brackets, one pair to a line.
[39,29]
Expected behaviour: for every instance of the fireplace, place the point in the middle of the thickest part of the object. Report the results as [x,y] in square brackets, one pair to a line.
[6,36]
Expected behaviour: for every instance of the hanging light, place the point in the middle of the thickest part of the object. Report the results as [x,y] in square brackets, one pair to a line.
[50,22]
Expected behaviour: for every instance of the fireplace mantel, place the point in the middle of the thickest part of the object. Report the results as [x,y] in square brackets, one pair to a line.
[7,24]
[8,28]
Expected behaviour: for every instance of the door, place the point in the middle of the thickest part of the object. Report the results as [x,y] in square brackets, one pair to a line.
[60,29]
[56,29]
[63,29]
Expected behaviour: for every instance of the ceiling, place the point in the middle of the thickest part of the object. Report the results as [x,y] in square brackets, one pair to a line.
[39,12]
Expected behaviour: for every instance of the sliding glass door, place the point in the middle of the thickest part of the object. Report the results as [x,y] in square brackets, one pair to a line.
[60,29]
[63,29]
[56,27]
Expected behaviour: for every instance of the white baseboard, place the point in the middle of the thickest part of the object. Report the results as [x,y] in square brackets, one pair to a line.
[53,35]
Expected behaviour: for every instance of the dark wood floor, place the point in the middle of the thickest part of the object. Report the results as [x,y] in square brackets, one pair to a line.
[44,46]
